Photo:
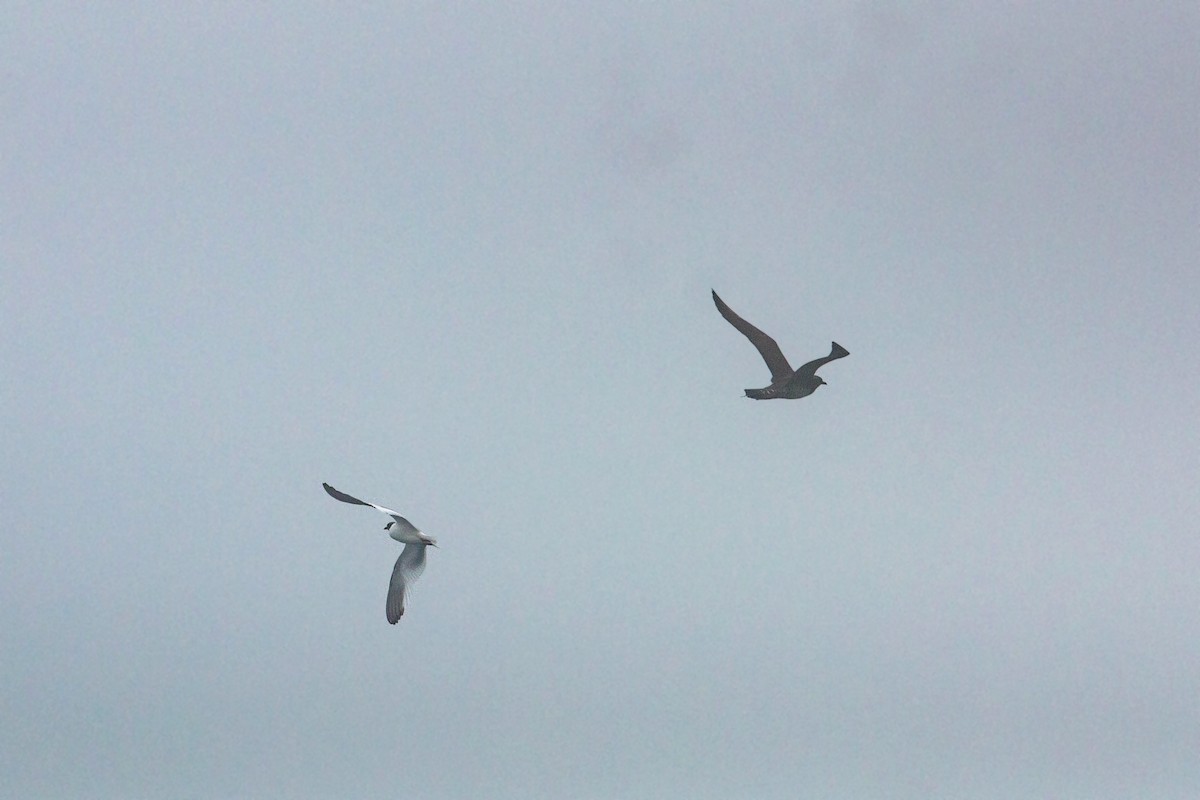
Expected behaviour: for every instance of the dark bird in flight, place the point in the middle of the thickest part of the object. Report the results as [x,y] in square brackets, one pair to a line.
[411,562]
[786,383]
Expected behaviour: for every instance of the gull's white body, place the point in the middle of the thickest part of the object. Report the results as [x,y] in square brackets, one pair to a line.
[411,562]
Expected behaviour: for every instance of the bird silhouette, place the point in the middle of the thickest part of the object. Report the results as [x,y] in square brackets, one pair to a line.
[786,383]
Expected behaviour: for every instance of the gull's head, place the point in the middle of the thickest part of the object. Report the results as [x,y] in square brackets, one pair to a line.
[821,381]
[429,540]
[388,527]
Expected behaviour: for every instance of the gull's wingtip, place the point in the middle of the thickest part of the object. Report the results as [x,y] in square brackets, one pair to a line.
[839,351]
[339,495]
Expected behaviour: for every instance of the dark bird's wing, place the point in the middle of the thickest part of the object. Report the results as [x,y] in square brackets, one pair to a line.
[409,567]
[836,352]
[767,347]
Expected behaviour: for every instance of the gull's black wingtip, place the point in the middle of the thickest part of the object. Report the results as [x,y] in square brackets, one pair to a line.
[839,351]
[345,498]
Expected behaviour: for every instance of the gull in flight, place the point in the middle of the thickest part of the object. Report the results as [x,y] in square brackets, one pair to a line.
[411,562]
[786,383]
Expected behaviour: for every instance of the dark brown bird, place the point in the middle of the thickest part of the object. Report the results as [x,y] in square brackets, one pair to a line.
[786,383]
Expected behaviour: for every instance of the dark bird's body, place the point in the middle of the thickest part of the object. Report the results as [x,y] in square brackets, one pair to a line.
[786,383]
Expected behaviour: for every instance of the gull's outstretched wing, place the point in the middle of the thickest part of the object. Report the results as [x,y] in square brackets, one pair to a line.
[767,347]
[409,567]
[836,352]
[345,498]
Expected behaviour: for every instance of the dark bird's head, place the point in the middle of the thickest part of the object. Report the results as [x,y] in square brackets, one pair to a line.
[388,527]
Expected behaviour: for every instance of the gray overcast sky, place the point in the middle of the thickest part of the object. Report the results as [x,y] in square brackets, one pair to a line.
[457,261]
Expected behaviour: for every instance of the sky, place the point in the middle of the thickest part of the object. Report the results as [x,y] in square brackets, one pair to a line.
[456,259]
